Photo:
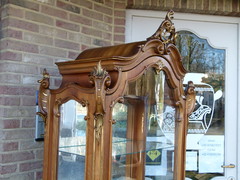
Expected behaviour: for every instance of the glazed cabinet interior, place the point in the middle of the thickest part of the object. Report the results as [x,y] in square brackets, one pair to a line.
[120,113]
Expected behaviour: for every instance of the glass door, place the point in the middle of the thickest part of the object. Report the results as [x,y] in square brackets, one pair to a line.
[219,129]
[72,141]
[205,139]
[143,141]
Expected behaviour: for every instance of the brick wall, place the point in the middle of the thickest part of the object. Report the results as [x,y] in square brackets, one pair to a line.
[213,7]
[34,35]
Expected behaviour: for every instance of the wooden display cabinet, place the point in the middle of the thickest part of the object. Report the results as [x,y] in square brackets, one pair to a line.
[120,113]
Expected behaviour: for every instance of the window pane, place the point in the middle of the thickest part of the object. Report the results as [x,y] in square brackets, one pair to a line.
[72,141]
[205,139]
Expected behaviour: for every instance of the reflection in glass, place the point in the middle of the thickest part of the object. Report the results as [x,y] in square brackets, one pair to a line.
[72,141]
[143,135]
[205,139]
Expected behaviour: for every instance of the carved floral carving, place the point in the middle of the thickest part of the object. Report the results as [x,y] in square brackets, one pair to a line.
[101,80]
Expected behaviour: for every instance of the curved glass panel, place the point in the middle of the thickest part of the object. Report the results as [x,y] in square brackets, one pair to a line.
[72,141]
[143,135]
[205,139]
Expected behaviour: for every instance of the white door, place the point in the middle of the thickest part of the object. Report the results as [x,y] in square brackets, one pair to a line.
[221,33]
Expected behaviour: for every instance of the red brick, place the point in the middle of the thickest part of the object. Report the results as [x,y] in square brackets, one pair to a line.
[22,176]
[120,5]
[28,123]
[12,11]
[7,169]
[17,90]
[120,38]
[10,146]
[102,26]
[19,46]
[66,44]
[30,166]
[10,100]
[54,12]
[38,59]
[52,32]
[31,80]
[73,36]
[119,29]
[18,156]
[92,14]
[119,13]
[83,3]
[119,22]
[11,33]
[36,38]
[21,24]
[90,31]
[68,7]
[107,36]
[15,112]
[18,133]
[55,52]
[108,19]
[11,124]
[40,18]
[26,4]
[67,25]
[84,47]
[18,68]
[30,145]
[9,55]
[39,153]
[100,42]
[73,55]
[39,175]
[28,100]
[10,78]
[103,9]
[80,20]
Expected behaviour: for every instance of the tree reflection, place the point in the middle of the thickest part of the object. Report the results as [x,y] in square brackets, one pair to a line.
[198,56]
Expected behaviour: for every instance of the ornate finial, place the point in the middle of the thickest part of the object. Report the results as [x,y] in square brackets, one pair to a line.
[166,31]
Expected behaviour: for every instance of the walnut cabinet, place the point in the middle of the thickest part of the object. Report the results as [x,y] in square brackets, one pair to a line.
[120,112]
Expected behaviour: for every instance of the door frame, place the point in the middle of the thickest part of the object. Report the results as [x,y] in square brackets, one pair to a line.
[130,14]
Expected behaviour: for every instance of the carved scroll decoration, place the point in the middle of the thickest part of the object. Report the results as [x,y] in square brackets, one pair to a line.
[43,96]
[101,80]
[166,31]
[190,97]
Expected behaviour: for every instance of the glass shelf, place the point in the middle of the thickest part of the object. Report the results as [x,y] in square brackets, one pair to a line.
[121,146]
